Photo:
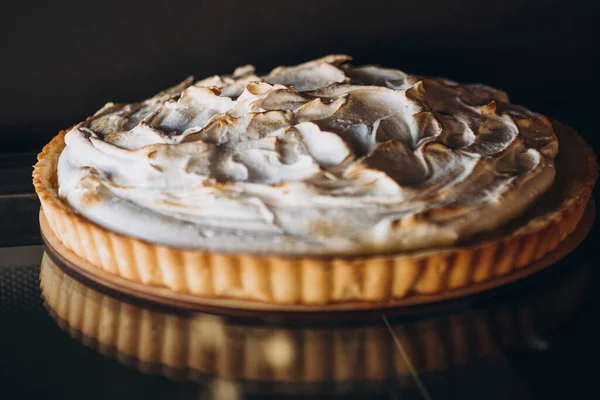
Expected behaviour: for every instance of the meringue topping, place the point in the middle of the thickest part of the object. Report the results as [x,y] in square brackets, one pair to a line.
[322,158]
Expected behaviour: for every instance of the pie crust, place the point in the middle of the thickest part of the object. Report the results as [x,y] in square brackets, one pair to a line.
[330,280]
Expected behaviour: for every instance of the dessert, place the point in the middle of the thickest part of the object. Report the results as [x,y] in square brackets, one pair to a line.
[314,184]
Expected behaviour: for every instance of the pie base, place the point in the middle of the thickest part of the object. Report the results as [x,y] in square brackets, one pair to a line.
[57,252]
[320,283]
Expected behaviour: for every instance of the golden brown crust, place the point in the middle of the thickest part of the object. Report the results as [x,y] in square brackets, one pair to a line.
[321,281]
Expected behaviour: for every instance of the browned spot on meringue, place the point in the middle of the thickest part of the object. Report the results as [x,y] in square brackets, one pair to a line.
[90,199]
[177,204]
[439,215]
[489,109]
[322,228]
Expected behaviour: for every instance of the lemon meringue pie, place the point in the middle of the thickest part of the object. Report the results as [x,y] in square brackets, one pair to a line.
[314,184]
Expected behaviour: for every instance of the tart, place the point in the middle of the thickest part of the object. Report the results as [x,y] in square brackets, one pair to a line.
[315,184]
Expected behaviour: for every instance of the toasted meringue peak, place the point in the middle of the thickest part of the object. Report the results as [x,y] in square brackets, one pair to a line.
[262,164]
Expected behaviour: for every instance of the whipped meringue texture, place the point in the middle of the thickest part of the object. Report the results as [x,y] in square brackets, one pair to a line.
[321,159]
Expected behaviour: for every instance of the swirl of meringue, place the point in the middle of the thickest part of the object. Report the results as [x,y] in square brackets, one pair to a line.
[321,159]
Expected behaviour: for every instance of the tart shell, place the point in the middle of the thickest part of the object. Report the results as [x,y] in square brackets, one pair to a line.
[322,281]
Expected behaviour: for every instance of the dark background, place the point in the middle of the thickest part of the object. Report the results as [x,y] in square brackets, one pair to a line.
[62,60]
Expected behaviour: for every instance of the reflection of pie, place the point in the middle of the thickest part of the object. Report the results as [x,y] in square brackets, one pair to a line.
[316,184]
[319,358]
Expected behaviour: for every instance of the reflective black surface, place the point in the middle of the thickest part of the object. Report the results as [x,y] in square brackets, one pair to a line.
[537,338]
